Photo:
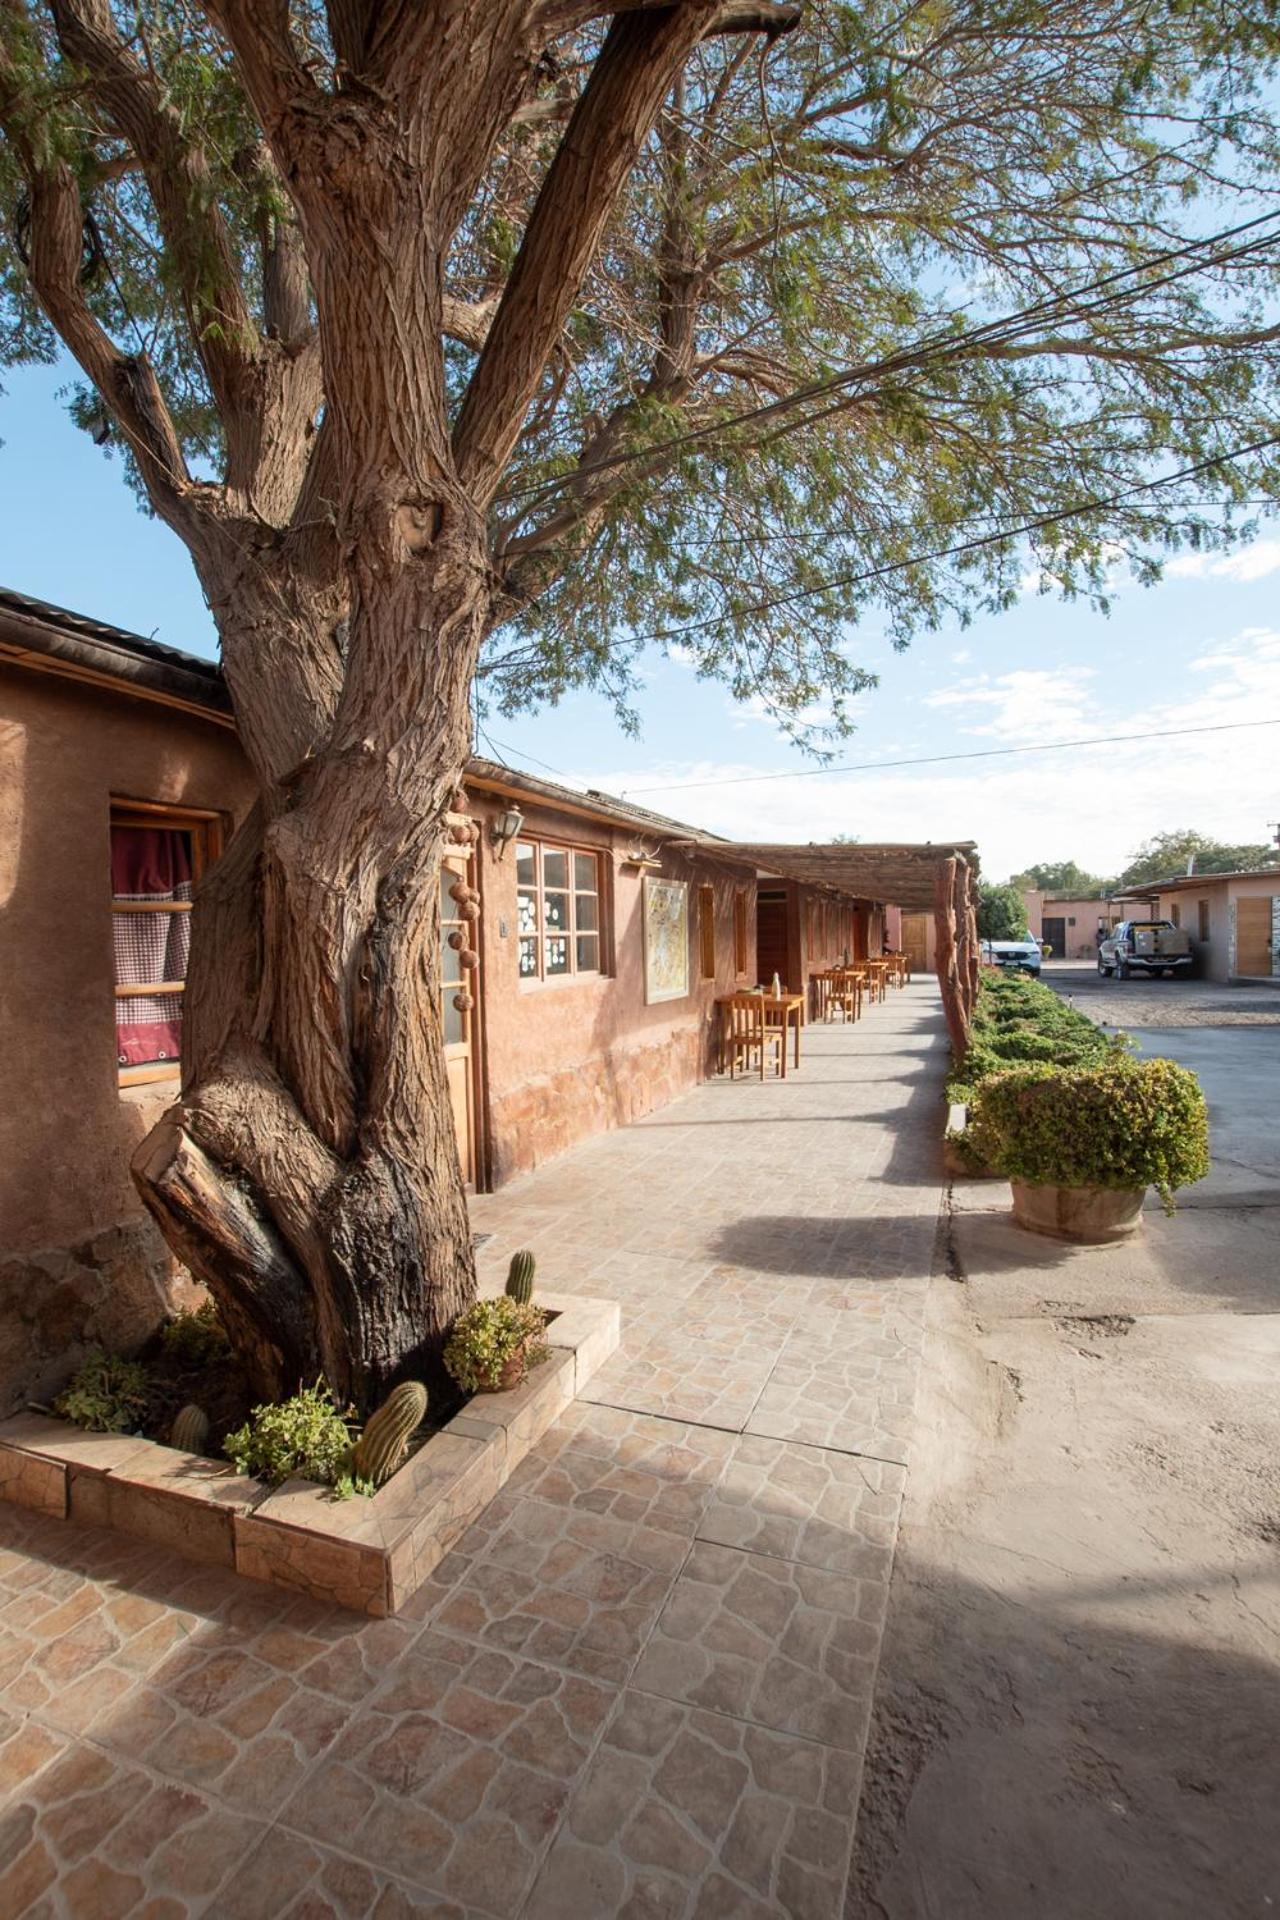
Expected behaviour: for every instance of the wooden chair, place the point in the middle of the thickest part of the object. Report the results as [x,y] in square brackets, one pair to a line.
[845,994]
[749,1036]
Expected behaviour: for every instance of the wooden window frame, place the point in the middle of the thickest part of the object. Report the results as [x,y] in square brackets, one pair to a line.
[706,933]
[572,850]
[740,932]
[206,830]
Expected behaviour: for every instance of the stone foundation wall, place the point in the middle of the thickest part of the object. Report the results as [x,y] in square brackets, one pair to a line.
[534,1122]
[111,1290]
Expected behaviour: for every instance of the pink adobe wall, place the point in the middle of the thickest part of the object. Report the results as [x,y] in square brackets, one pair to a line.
[569,1058]
[66,1129]
[80,1263]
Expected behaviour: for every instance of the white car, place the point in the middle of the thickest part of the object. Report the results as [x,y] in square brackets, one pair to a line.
[1018,956]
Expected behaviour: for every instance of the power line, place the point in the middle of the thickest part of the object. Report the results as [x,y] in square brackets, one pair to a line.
[941,344]
[503,747]
[1097,504]
[940,759]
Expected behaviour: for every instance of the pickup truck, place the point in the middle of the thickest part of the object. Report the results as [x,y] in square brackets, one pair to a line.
[1145,946]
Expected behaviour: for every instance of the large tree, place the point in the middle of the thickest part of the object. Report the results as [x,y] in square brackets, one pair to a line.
[465,343]
[1061,876]
[1183,850]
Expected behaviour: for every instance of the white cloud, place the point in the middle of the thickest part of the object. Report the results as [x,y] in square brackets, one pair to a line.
[1091,804]
[742,713]
[1030,704]
[1254,562]
[961,656]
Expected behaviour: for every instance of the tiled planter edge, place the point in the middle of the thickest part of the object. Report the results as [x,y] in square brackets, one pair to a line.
[367,1554]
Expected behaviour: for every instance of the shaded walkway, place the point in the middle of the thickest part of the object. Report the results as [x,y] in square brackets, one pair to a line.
[641,1683]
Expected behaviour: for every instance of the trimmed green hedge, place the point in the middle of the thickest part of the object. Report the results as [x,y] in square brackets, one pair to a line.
[1018,1021]
[1127,1123]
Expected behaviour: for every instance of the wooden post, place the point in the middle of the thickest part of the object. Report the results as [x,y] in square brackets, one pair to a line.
[953,1005]
[971,917]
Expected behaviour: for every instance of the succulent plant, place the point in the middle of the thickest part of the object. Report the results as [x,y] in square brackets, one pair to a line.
[520,1277]
[385,1440]
[190,1429]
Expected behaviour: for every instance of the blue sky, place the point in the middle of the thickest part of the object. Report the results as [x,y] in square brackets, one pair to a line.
[1202,647]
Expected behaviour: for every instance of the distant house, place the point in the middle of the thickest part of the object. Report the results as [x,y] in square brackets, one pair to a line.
[606,934]
[1233,919]
[1067,925]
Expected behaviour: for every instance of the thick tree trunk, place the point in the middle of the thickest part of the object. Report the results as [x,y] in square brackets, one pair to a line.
[310,1172]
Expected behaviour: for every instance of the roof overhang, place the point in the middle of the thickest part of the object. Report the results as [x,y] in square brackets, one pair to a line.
[898,873]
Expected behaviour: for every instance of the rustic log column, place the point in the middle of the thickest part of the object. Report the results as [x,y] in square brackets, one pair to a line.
[971,921]
[948,971]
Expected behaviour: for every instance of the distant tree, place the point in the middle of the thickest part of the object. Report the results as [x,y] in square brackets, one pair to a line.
[1001,914]
[1167,854]
[1061,876]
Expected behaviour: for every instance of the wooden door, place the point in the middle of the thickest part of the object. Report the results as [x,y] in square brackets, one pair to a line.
[915,941]
[771,937]
[458,1022]
[1054,935]
[1253,936]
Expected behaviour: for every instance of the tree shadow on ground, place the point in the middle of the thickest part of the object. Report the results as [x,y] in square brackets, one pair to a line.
[1030,1762]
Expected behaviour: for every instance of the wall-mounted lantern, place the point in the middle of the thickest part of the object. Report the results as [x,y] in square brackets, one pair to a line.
[503,829]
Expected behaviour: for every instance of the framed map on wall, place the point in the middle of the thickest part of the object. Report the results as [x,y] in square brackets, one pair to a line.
[666,939]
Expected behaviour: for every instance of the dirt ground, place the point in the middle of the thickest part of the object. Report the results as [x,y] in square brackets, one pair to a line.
[1080,1686]
[1162,1003]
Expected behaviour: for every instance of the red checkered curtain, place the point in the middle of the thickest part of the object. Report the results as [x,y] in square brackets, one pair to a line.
[150,867]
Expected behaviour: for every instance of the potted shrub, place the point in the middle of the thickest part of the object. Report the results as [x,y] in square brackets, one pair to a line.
[494,1343]
[1081,1145]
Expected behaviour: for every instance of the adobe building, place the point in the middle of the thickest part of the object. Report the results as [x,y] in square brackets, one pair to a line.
[1233,920]
[606,935]
[1067,925]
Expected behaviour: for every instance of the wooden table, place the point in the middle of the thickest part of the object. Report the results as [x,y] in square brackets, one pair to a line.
[781,1010]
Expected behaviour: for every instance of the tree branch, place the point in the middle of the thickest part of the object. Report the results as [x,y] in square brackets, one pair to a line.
[178,178]
[126,382]
[641,57]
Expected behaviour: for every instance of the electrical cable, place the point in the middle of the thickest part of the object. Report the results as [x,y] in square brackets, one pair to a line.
[940,759]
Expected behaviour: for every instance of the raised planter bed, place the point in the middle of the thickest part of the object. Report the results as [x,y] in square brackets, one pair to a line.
[367,1554]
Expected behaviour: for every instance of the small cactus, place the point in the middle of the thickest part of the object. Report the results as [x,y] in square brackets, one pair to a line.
[190,1429]
[520,1277]
[385,1440]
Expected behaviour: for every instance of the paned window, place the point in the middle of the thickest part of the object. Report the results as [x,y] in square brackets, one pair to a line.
[558,910]
[707,932]
[740,931]
[157,856]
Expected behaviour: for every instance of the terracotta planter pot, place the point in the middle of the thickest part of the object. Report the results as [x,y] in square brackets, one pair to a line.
[1092,1215]
[510,1376]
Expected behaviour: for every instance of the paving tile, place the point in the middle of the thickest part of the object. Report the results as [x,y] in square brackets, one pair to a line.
[639,1684]
[629,1466]
[856,1395]
[683,1380]
[456,1773]
[785,1645]
[826,1509]
[288,1875]
[688,1815]
[573,1587]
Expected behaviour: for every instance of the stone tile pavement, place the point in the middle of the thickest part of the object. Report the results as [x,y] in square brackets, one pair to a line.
[641,1683]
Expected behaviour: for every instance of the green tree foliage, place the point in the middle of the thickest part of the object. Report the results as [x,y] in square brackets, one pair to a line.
[1001,913]
[1166,855]
[1062,876]
[871,191]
